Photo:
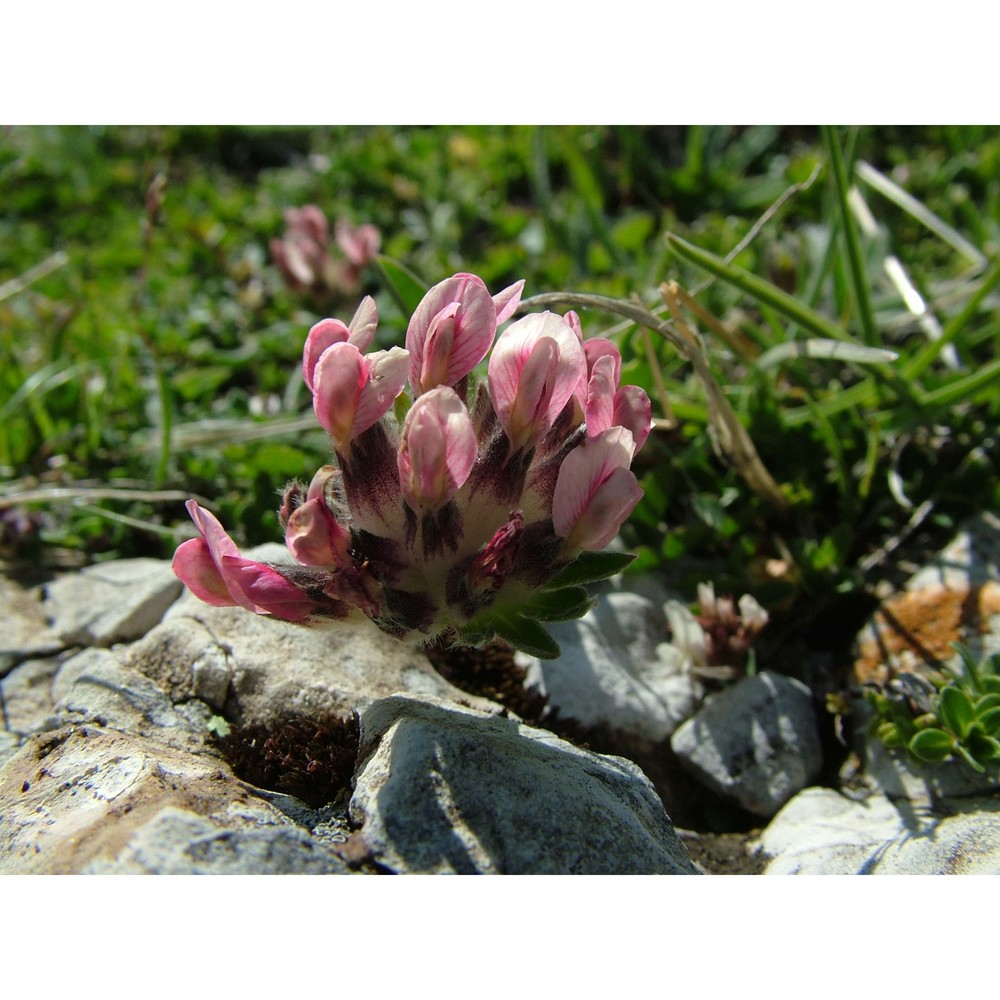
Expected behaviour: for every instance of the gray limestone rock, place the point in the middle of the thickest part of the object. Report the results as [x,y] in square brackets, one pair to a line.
[821,832]
[25,633]
[970,559]
[86,799]
[756,743]
[616,673]
[257,668]
[901,779]
[27,695]
[445,789]
[95,686]
[111,602]
[180,842]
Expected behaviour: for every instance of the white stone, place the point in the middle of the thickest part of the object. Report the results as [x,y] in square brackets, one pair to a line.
[617,673]
[822,832]
[111,602]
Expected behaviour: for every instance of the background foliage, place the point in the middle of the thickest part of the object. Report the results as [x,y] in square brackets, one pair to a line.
[149,349]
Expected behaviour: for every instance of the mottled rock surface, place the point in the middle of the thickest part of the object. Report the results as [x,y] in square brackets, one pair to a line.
[111,602]
[822,832]
[445,789]
[756,743]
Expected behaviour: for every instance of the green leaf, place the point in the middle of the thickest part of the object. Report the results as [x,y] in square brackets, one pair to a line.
[990,719]
[970,760]
[478,632]
[558,605]
[403,285]
[218,725]
[955,710]
[983,747]
[985,702]
[932,745]
[526,635]
[889,734]
[989,684]
[852,239]
[589,567]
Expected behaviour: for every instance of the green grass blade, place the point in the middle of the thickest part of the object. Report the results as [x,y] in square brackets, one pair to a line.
[758,288]
[855,255]
[961,390]
[894,193]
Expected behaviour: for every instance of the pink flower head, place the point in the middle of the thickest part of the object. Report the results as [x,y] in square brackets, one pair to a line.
[536,364]
[595,491]
[328,332]
[452,329]
[352,391]
[360,244]
[437,450]
[214,570]
[301,254]
[308,222]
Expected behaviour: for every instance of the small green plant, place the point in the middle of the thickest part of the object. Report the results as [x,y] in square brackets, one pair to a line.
[951,716]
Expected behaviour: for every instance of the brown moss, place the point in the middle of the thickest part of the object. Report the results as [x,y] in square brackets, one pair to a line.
[312,759]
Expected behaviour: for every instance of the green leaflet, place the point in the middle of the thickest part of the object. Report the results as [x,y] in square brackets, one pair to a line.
[526,635]
[932,745]
[558,605]
[589,567]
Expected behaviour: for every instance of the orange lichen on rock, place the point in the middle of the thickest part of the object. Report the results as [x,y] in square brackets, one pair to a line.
[915,630]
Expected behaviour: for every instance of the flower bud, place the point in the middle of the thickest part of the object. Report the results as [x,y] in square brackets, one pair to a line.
[436,451]
[536,364]
[595,491]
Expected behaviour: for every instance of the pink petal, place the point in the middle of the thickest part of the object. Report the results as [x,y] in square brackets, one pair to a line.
[437,450]
[608,507]
[474,329]
[266,591]
[582,473]
[195,568]
[297,261]
[363,325]
[634,411]
[220,547]
[386,377]
[437,348]
[317,485]
[212,531]
[322,335]
[315,537]
[507,301]
[360,245]
[600,347]
[310,220]
[600,410]
[340,376]
[574,323]
[527,411]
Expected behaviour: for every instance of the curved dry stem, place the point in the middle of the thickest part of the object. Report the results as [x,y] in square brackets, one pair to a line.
[729,436]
